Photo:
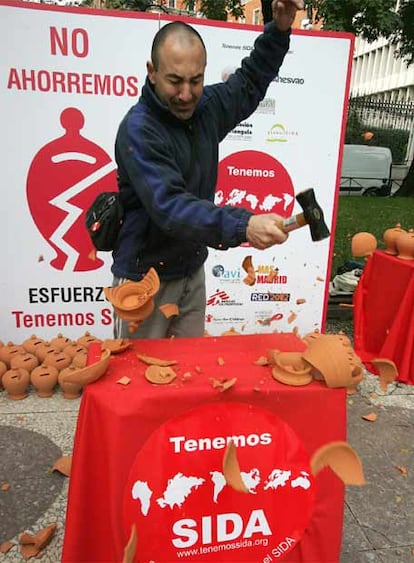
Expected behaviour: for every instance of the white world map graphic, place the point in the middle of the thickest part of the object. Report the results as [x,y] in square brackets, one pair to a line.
[236,197]
[181,486]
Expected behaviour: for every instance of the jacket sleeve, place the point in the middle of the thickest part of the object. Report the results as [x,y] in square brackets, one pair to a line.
[234,100]
[158,183]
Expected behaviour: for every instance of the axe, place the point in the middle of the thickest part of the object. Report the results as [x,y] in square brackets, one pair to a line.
[312,215]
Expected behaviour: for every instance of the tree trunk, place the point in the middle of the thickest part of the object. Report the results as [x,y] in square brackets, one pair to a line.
[407,187]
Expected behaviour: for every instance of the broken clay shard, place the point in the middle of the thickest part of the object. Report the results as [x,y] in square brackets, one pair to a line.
[370,417]
[287,378]
[247,264]
[169,310]
[228,383]
[31,545]
[342,459]
[231,469]
[6,546]
[156,361]
[131,546]
[261,361]
[160,375]
[388,371]
[116,345]
[91,372]
[291,317]
[250,279]
[222,384]
[63,465]
[124,380]
[231,332]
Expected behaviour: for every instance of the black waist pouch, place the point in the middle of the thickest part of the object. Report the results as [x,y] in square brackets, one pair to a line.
[104,219]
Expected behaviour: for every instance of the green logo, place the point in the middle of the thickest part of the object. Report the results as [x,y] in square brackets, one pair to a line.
[277,134]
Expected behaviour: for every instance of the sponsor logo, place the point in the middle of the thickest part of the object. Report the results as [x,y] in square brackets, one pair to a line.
[289,80]
[242,132]
[269,274]
[266,319]
[237,47]
[232,321]
[268,296]
[219,271]
[278,133]
[267,106]
[221,298]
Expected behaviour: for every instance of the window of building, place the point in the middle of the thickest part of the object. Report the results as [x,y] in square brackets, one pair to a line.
[256,16]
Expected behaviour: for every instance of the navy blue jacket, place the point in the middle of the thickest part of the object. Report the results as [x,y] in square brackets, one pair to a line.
[167,170]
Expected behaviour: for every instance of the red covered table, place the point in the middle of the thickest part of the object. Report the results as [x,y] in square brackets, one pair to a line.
[384,313]
[119,426]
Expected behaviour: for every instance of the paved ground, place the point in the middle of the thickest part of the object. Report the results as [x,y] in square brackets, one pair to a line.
[379,518]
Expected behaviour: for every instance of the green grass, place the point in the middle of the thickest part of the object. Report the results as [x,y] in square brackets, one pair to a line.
[371,214]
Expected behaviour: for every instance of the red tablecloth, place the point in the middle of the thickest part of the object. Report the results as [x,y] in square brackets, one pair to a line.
[384,313]
[115,421]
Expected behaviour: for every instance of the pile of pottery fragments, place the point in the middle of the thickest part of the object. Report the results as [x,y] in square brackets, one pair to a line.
[327,357]
[62,362]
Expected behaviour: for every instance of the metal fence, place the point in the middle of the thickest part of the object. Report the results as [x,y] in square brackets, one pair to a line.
[392,122]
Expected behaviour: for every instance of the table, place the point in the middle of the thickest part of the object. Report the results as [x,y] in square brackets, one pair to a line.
[115,422]
[384,313]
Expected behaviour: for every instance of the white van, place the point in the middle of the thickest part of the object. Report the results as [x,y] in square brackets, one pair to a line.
[366,170]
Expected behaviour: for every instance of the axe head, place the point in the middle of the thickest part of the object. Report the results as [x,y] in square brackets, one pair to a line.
[313,214]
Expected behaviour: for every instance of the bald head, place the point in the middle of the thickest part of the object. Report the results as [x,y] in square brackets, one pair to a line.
[179,33]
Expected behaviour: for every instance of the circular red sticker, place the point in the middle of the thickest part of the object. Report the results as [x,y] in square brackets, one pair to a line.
[182,508]
[256,181]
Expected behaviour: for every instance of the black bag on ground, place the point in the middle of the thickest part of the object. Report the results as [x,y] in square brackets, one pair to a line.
[104,219]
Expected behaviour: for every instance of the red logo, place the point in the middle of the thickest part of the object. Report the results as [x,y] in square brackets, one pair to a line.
[218,297]
[179,501]
[64,178]
[257,181]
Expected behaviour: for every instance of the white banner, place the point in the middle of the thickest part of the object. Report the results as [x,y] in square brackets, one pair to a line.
[67,77]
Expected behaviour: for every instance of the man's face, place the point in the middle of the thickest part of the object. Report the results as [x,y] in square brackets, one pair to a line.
[179,78]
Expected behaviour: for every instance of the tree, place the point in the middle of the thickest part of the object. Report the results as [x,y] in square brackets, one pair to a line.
[407,187]
[403,38]
[133,5]
[370,19]
[211,9]
[217,9]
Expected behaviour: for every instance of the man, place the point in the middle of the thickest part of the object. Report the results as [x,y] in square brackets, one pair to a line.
[167,155]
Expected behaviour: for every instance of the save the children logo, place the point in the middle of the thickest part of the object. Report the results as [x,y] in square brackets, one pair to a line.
[64,178]
[186,508]
[256,181]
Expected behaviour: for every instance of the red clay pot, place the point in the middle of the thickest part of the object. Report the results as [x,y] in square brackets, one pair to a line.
[16,382]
